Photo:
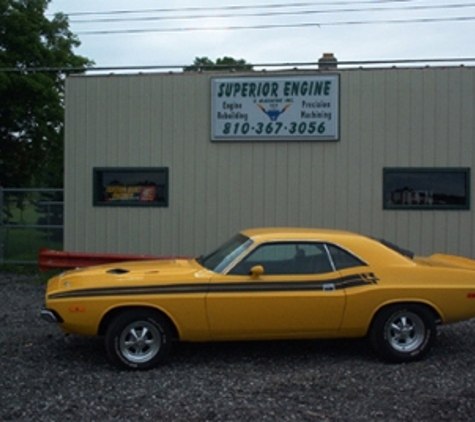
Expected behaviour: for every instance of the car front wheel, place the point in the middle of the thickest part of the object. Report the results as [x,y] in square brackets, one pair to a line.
[403,333]
[138,339]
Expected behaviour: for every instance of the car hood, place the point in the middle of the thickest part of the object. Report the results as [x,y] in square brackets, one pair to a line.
[131,274]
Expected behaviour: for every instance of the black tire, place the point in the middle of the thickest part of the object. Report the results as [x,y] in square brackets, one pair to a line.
[138,339]
[403,333]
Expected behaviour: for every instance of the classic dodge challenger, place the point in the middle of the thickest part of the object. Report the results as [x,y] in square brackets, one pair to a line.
[270,283]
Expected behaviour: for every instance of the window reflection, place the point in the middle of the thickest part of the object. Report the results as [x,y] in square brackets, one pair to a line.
[427,188]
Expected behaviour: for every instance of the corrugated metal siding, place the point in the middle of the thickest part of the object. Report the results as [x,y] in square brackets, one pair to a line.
[388,118]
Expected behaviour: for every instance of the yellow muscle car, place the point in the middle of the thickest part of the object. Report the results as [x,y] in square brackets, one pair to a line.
[271,283]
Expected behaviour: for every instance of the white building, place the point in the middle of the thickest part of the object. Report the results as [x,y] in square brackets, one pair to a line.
[176,163]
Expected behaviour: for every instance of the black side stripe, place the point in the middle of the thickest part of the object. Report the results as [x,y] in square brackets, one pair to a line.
[246,287]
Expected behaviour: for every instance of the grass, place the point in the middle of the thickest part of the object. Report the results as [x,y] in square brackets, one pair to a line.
[23,244]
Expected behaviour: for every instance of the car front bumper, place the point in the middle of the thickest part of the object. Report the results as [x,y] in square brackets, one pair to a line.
[50,316]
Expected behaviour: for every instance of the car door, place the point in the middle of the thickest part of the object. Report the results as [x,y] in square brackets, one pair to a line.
[296,295]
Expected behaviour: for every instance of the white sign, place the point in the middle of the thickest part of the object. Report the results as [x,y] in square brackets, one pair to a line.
[281,108]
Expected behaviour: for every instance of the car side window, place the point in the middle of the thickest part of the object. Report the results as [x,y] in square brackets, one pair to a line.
[286,258]
[343,259]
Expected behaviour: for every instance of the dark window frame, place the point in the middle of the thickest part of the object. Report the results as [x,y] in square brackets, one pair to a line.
[162,173]
[429,198]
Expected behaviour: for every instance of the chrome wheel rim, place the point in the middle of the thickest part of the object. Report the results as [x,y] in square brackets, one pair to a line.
[405,331]
[140,341]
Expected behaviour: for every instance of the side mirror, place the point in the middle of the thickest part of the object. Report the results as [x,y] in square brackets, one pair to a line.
[257,271]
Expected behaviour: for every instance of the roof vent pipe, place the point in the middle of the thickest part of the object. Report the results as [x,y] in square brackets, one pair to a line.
[327,61]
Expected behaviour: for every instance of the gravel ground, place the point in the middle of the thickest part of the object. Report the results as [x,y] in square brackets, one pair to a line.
[47,377]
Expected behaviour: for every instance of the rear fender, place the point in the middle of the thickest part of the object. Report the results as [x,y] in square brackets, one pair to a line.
[430,306]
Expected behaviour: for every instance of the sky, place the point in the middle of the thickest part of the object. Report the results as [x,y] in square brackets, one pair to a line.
[120,33]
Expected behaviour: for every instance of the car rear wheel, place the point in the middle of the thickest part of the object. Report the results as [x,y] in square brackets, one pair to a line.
[403,333]
[138,339]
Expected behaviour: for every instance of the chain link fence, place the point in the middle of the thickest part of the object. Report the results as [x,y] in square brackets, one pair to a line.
[31,219]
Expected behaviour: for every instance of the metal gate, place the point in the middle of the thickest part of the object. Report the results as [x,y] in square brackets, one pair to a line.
[31,219]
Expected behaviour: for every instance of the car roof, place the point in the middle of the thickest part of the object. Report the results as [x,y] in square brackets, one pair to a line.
[300,233]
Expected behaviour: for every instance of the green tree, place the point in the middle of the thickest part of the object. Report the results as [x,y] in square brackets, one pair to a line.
[226,63]
[32,101]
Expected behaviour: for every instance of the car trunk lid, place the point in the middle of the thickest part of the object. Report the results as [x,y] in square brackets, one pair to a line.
[446,260]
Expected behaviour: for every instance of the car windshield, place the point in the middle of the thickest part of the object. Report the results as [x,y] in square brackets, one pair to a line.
[218,260]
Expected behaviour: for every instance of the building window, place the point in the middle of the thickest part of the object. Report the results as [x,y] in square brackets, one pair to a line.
[426,188]
[136,186]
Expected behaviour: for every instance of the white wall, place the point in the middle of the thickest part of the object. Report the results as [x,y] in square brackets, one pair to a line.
[421,117]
